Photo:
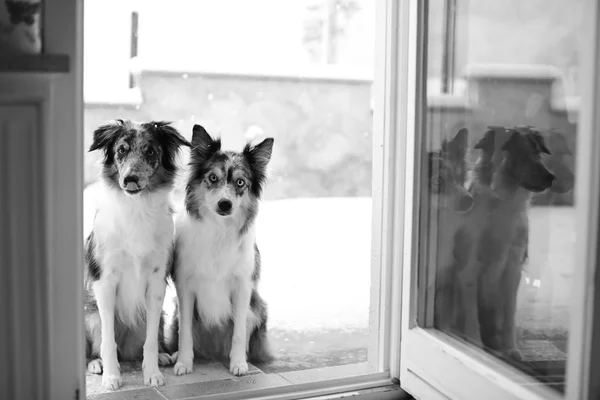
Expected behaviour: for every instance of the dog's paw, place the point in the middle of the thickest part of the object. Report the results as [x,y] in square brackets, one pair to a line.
[111,381]
[153,377]
[164,359]
[95,366]
[238,367]
[514,354]
[183,367]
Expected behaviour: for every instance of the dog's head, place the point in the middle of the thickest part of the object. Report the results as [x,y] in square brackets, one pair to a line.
[447,174]
[138,157]
[515,154]
[225,182]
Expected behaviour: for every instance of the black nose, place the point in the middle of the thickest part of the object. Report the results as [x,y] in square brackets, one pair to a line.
[224,205]
[131,179]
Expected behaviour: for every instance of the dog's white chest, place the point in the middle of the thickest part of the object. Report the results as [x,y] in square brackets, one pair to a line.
[136,233]
[209,263]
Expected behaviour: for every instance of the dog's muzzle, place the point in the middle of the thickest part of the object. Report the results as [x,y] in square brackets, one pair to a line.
[131,184]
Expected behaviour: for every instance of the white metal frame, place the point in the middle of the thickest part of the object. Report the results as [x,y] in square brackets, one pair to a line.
[63,34]
[583,364]
[434,365]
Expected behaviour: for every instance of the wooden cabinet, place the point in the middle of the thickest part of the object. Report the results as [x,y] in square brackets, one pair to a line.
[22,264]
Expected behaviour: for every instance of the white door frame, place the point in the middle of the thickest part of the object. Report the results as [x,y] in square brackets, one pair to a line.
[434,365]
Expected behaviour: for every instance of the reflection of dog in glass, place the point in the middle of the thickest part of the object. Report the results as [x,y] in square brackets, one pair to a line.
[452,204]
[510,164]
[459,226]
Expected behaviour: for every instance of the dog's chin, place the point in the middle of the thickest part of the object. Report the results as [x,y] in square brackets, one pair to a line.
[132,189]
[534,188]
[132,192]
[223,213]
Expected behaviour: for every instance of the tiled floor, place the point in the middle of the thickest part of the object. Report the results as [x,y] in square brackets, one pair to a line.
[207,377]
[210,378]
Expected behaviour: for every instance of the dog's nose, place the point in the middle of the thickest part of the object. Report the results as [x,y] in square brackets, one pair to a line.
[224,205]
[131,179]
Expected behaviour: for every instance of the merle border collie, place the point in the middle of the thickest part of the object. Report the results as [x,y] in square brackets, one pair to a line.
[216,267]
[129,251]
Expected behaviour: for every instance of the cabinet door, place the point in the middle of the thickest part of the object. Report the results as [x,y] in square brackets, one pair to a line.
[22,289]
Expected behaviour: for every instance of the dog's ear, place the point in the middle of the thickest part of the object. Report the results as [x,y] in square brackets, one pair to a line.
[105,135]
[259,155]
[169,135]
[540,143]
[512,141]
[457,147]
[203,145]
[488,142]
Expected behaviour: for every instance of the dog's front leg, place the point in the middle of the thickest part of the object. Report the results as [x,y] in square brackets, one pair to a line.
[185,354]
[155,295]
[105,291]
[510,286]
[238,364]
[468,295]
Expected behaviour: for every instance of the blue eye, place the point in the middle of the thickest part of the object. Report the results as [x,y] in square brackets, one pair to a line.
[212,178]
[240,183]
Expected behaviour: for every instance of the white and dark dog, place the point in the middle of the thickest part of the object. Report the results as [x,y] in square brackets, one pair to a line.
[128,253]
[216,264]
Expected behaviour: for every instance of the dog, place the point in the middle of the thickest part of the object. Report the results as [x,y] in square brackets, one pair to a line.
[129,249]
[511,166]
[217,264]
[459,219]
[450,201]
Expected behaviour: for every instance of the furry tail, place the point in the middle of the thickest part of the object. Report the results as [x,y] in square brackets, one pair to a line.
[259,347]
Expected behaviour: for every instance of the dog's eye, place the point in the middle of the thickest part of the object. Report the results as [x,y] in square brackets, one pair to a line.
[121,150]
[240,183]
[212,178]
[150,152]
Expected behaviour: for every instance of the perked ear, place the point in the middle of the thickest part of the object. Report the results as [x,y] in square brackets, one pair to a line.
[457,147]
[259,155]
[170,134]
[106,134]
[512,140]
[540,142]
[487,142]
[203,145]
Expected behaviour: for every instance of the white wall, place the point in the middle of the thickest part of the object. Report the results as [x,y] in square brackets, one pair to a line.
[107,41]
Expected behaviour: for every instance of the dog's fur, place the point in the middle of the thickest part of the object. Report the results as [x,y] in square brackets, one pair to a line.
[510,165]
[459,225]
[447,174]
[128,252]
[216,266]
